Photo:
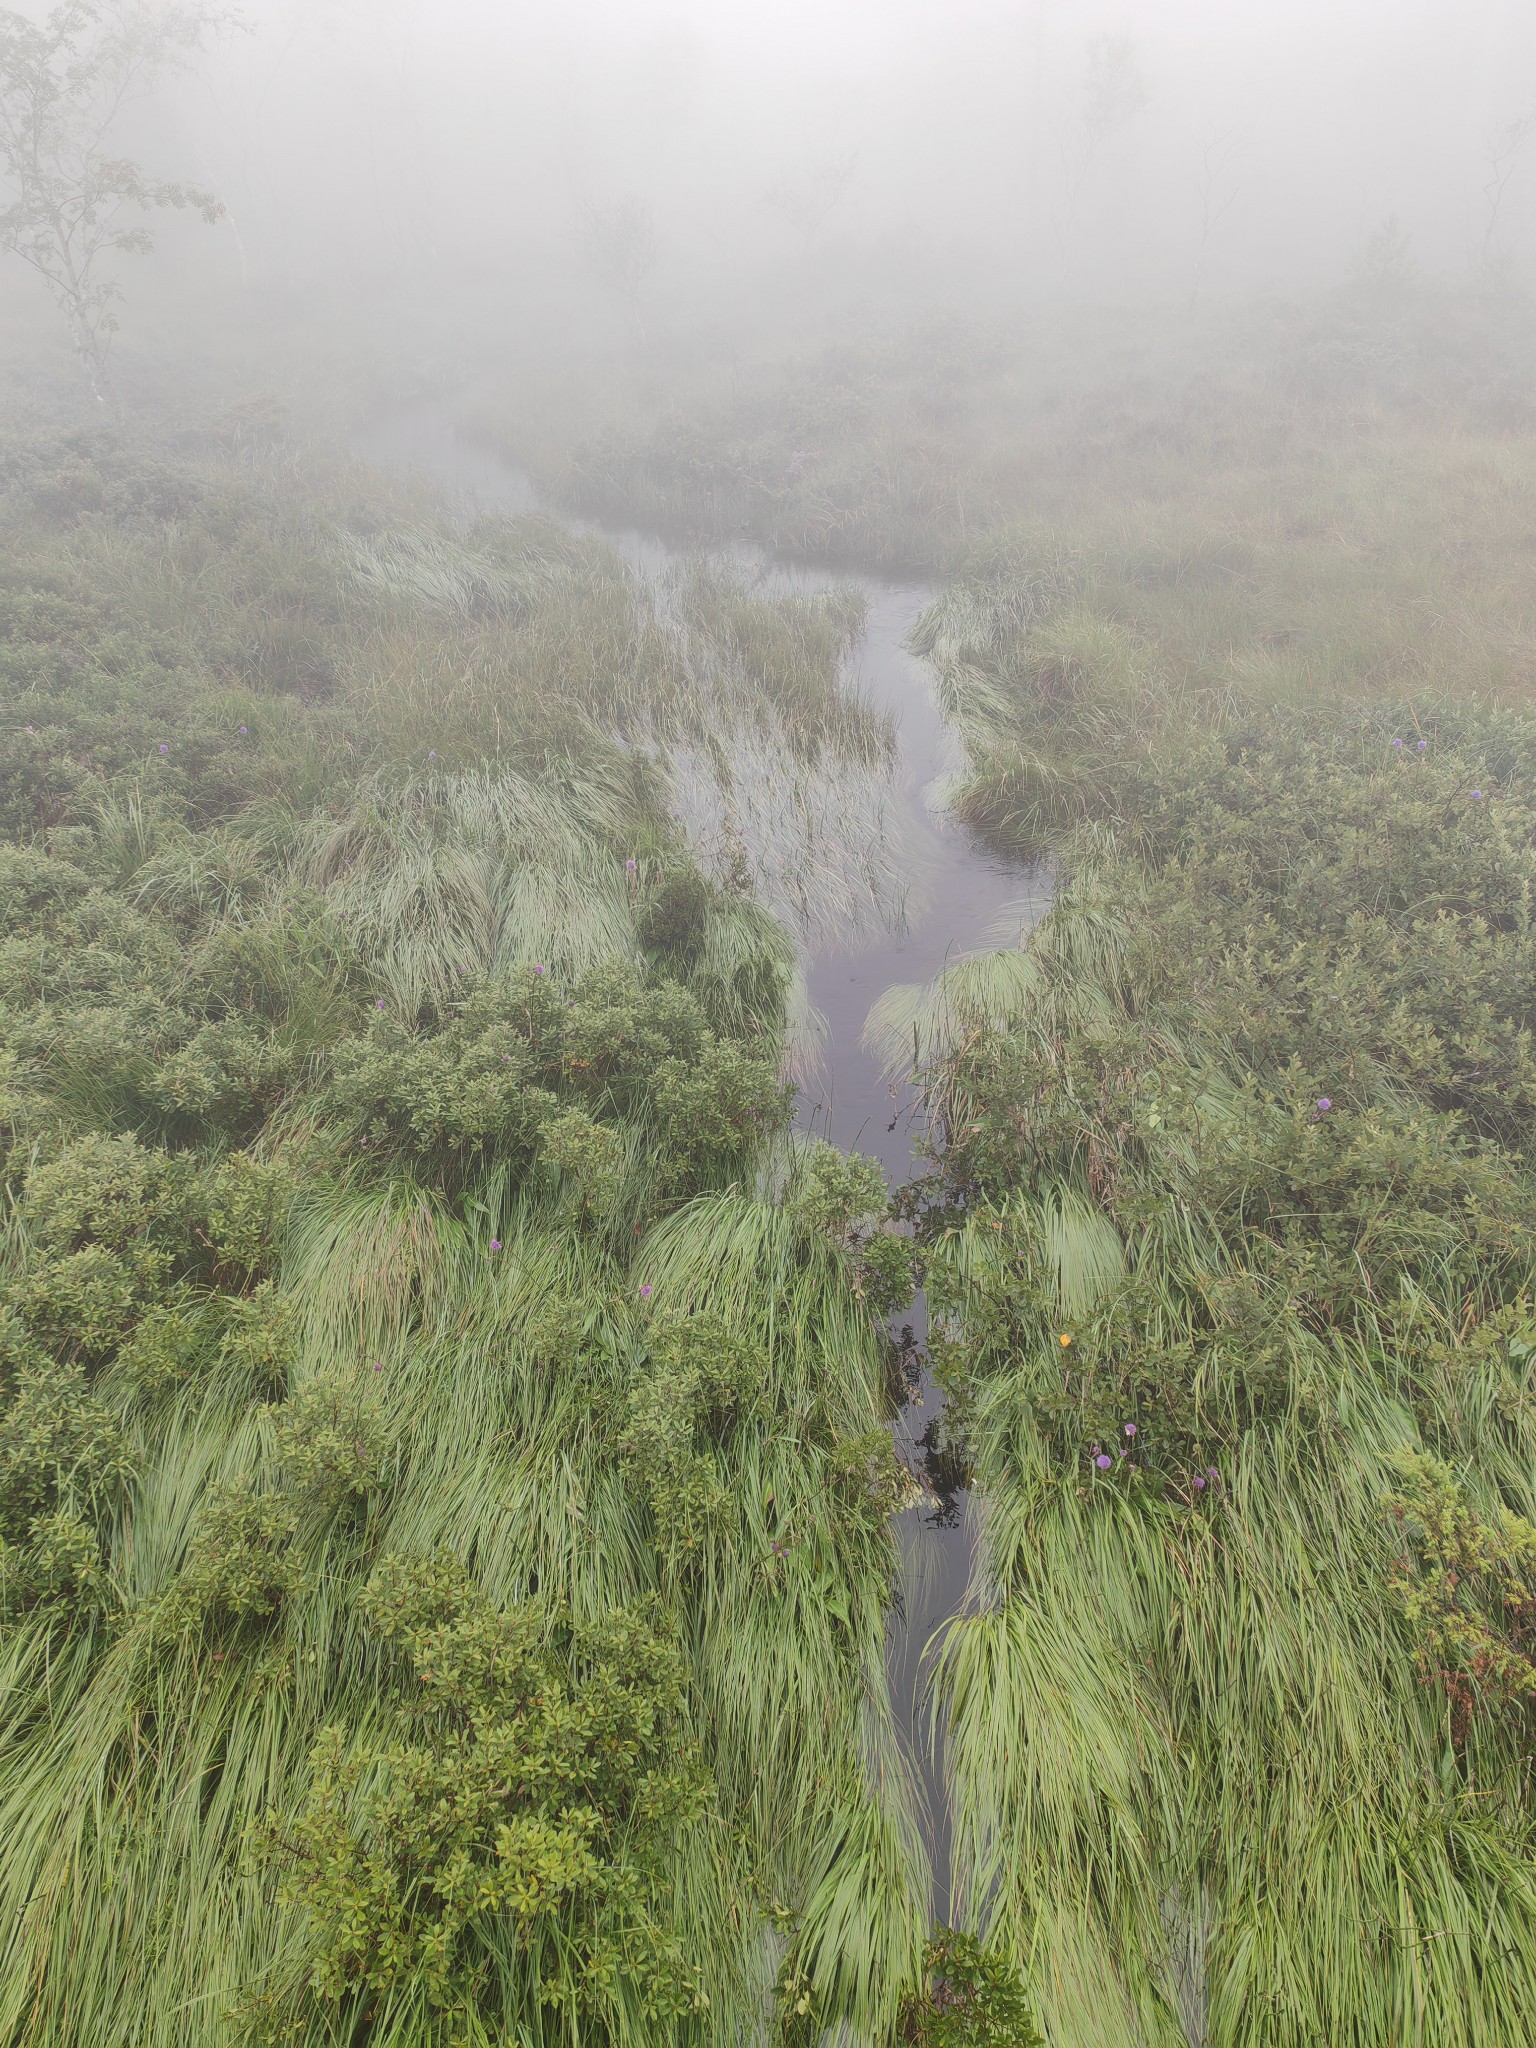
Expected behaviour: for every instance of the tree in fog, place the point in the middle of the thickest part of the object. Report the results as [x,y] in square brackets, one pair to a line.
[1384,274]
[1218,194]
[1500,157]
[809,202]
[72,203]
[1114,91]
[621,246]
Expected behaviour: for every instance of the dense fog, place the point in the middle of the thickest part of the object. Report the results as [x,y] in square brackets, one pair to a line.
[606,168]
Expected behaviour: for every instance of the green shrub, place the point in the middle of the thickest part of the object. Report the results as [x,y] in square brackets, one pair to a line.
[518,1830]
[698,1385]
[328,1437]
[972,1998]
[60,1447]
[1467,1590]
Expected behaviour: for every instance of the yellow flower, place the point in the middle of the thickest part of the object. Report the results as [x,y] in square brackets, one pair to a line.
[1066,1338]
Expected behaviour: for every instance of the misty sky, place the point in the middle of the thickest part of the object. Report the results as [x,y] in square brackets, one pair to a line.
[1264,140]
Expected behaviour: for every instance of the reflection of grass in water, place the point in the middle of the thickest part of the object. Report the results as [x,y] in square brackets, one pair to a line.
[825,845]
[816,839]
[768,653]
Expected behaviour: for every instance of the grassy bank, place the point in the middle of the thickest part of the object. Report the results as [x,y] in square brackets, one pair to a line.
[1228,1230]
[443,1489]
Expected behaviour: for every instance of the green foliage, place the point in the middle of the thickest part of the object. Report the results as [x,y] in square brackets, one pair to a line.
[972,1998]
[248,1202]
[521,1835]
[867,1481]
[58,1565]
[835,1191]
[241,1567]
[1467,1588]
[588,1157]
[329,1440]
[671,914]
[170,1345]
[63,1453]
[844,1197]
[1226,1212]
[260,1341]
[329,1217]
[523,1073]
[696,1387]
[82,1303]
[108,1192]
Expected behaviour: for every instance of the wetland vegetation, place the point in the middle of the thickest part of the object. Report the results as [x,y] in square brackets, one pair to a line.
[473,1453]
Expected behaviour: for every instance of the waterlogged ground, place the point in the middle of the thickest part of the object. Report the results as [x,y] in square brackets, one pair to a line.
[882,888]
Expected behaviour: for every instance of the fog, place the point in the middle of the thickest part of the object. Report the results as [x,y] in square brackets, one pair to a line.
[587,170]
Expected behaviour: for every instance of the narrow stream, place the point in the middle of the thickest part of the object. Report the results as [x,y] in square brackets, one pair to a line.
[948,894]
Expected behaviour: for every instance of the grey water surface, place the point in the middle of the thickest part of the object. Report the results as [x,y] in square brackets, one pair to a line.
[929,892]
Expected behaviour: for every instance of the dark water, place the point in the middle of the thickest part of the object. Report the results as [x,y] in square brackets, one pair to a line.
[950,895]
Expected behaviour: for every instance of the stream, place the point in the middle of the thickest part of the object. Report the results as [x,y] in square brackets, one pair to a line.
[941,895]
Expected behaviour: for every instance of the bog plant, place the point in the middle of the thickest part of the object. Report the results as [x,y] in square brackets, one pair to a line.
[1229,1252]
[444,1509]
[513,1842]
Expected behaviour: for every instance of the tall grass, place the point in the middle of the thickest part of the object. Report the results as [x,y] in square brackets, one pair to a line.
[344,752]
[1202,1785]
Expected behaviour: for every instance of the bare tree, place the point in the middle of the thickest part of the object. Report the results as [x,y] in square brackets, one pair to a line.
[809,202]
[621,245]
[1503,148]
[1114,92]
[1218,192]
[73,204]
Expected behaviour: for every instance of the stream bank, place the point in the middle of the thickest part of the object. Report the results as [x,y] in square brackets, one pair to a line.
[947,894]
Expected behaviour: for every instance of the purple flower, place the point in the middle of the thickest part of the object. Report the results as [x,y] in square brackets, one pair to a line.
[1130,1429]
[495,1244]
[1324,1104]
[245,728]
[630,865]
[379,1004]
[1420,746]
[1211,1472]
[432,756]
[1103,1461]
[538,967]
[1397,743]
[164,748]
[1199,1482]
[1477,794]
[645,1291]
[378,1365]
